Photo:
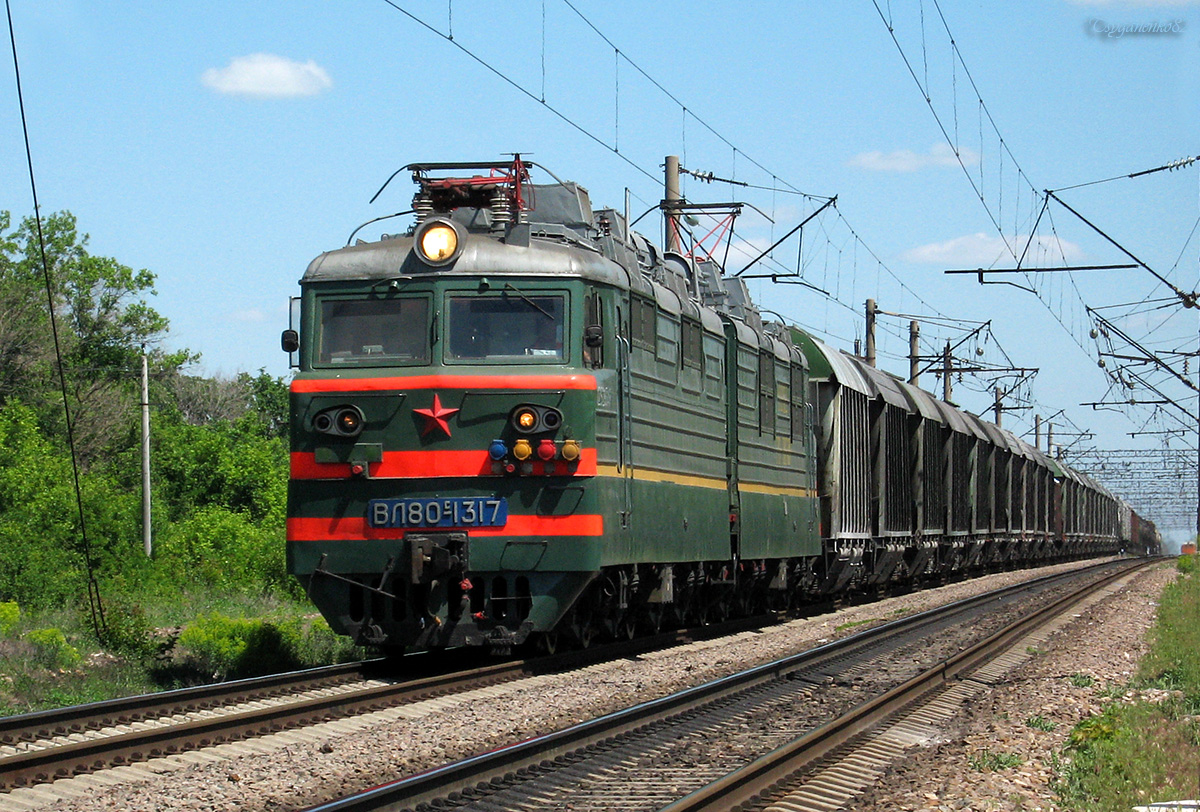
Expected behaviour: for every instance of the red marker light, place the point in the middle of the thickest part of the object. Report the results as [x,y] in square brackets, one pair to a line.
[546,450]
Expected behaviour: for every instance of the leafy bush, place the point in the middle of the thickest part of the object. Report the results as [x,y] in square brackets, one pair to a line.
[127,631]
[320,645]
[223,548]
[231,648]
[1186,564]
[10,615]
[52,649]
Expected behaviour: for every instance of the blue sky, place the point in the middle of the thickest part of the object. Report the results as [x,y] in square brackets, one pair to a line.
[223,145]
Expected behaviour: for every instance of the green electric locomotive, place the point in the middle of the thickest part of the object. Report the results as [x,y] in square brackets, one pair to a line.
[522,421]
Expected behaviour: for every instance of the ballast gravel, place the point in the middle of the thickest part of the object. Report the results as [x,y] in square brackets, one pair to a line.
[301,768]
[1028,718]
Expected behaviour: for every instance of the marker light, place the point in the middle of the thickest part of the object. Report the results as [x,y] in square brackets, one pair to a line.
[570,451]
[546,450]
[525,420]
[438,242]
[529,419]
[522,450]
[349,422]
[341,421]
[497,449]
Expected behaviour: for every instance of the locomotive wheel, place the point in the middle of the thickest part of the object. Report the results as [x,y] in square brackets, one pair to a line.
[581,623]
[652,618]
[549,642]
[584,633]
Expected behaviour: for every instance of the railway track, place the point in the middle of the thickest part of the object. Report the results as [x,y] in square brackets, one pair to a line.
[708,743]
[40,747]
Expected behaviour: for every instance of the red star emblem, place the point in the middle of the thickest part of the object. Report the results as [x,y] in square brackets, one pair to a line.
[436,417]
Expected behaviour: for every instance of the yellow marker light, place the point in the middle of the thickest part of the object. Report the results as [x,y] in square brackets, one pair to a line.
[348,421]
[439,242]
[526,420]
[570,450]
[522,450]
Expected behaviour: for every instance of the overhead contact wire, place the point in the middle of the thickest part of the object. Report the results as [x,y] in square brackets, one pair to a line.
[94,601]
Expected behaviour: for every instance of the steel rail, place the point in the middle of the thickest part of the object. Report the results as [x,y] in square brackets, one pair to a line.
[78,718]
[782,766]
[465,778]
[58,760]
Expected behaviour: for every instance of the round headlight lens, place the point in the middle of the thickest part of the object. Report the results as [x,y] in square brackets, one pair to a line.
[439,242]
[349,421]
[525,420]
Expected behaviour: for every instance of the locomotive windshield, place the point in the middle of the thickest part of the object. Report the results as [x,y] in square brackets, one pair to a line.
[506,327]
[373,332]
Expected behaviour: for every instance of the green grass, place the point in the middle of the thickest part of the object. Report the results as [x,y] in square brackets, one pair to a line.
[1145,751]
[1040,722]
[855,623]
[50,659]
[989,761]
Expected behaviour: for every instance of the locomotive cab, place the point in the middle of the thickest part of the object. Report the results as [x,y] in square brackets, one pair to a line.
[444,435]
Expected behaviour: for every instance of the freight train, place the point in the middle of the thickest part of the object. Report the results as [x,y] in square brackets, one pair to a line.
[521,421]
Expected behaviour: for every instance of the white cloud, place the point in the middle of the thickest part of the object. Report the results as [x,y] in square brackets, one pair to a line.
[905,160]
[983,250]
[266,76]
[253,315]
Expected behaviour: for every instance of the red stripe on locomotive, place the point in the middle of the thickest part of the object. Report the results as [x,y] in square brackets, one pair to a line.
[355,528]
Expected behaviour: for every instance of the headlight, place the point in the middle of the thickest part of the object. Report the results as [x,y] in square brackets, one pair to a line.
[340,421]
[525,420]
[439,241]
[531,419]
[349,422]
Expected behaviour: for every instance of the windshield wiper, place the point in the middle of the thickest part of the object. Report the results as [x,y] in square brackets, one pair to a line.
[528,301]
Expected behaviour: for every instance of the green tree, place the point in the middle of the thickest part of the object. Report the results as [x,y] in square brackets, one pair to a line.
[103,321]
